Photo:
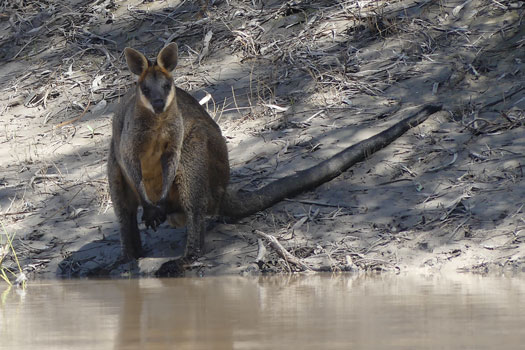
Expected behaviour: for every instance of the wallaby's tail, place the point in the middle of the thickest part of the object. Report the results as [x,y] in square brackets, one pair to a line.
[238,204]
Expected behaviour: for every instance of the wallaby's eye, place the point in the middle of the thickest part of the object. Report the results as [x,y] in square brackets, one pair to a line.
[145,90]
[167,87]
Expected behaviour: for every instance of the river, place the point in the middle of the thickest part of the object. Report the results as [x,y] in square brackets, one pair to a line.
[281,312]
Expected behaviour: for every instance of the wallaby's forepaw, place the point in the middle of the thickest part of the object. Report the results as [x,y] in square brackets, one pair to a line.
[153,216]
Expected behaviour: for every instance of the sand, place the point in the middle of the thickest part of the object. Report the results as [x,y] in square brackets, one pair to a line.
[291,84]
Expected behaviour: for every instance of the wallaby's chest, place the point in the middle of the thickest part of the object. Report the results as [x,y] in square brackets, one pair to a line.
[151,155]
[151,166]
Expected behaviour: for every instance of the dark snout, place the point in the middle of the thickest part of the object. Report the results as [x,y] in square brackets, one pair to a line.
[158,105]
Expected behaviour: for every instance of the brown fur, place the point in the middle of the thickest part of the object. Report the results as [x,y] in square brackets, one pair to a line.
[172,163]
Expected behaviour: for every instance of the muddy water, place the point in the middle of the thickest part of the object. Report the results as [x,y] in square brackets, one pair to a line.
[316,312]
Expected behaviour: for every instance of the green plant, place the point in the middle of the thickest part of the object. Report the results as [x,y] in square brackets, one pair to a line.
[5,247]
[91,130]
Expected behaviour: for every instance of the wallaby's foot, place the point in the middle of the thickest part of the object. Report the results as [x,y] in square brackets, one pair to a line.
[192,253]
[132,253]
[195,235]
[153,216]
[131,244]
[194,245]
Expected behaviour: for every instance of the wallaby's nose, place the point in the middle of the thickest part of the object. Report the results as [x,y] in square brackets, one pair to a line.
[158,104]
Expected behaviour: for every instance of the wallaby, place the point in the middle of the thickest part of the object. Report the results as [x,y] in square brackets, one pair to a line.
[168,156]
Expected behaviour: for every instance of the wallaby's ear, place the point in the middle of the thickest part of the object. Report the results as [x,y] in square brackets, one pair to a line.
[168,57]
[136,61]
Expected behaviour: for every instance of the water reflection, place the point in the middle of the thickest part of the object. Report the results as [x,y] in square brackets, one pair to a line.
[305,312]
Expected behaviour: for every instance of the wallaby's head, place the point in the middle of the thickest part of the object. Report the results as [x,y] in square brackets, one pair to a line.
[155,89]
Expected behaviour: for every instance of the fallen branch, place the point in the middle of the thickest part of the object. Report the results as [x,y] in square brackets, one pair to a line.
[71,121]
[283,253]
[261,251]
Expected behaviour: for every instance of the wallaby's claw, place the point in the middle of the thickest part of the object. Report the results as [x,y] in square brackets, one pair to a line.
[153,216]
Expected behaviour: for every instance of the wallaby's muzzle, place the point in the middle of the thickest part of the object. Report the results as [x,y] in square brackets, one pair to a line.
[158,105]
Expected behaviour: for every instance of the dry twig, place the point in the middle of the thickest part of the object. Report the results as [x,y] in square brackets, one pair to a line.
[283,253]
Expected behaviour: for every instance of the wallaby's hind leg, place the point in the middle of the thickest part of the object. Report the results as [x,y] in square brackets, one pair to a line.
[125,205]
[196,229]
[192,182]
[194,202]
